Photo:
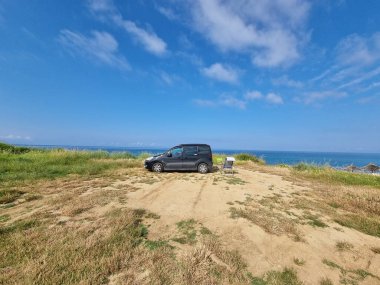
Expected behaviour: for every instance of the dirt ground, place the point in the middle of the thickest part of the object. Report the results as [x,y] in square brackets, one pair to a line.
[254,211]
[208,199]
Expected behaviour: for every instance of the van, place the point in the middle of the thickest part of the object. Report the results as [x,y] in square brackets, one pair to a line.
[195,157]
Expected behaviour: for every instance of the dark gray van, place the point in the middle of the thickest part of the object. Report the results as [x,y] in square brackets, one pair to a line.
[182,157]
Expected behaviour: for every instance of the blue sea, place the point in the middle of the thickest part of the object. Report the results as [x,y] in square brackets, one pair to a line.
[334,159]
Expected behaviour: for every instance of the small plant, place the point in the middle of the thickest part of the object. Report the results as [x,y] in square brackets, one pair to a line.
[299,261]
[151,215]
[286,277]
[154,244]
[4,218]
[343,246]
[236,181]
[205,231]
[9,195]
[315,222]
[249,157]
[188,232]
[326,281]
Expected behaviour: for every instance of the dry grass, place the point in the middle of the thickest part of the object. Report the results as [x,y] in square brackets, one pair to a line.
[270,221]
[356,207]
[343,246]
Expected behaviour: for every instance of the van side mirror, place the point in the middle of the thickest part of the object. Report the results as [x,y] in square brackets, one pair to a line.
[169,154]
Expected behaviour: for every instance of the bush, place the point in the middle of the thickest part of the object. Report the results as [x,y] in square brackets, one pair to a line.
[249,157]
[13,149]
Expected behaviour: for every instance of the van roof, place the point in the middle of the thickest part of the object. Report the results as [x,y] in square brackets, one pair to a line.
[192,144]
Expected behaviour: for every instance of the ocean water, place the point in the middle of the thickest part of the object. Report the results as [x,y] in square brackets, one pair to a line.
[334,159]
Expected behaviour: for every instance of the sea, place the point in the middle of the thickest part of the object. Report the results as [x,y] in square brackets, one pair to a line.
[333,159]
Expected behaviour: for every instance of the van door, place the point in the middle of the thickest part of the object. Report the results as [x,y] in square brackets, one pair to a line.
[173,159]
[190,158]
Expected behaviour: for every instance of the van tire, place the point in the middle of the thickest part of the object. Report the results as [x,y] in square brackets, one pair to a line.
[203,168]
[157,167]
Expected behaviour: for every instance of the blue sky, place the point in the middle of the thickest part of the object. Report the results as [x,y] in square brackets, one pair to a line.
[264,74]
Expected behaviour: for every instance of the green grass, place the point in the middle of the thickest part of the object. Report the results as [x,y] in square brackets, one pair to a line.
[299,261]
[218,158]
[49,164]
[9,195]
[326,281]
[349,276]
[370,226]
[330,175]
[286,277]
[315,222]
[7,148]
[155,244]
[4,218]
[187,231]
[343,246]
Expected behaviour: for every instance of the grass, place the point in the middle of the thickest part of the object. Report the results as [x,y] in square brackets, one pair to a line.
[286,277]
[188,233]
[36,255]
[235,181]
[343,246]
[299,261]
[330,175]
[315,221]
[368,225]
[326,281]
[218,158]
[7,148]
[9,195]
[270,221]
[349,276]
[49,164]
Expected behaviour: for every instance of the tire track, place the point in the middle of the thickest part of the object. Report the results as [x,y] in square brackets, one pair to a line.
[198,198]
[157,189]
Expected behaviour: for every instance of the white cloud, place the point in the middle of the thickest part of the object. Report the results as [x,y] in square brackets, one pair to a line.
[354,67]
[270,98]
[358,50]
[223,100]
[285,81]
[105,10]
[167,12]
[15,137]
[362,78]
[314,97]
[205,103]
[231,101]
[101,5]
[220,72]
[271,31]
[100,46]
[273,98]
[253,95]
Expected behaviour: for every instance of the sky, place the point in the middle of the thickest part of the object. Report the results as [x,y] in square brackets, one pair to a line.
[262,74]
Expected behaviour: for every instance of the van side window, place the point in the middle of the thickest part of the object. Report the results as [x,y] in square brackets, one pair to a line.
[204,150]
[176,152]
[190,150]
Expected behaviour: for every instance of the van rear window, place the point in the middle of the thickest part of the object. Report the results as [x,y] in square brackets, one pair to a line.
[203,149]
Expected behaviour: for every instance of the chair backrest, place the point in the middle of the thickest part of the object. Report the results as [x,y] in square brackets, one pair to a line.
[228,163]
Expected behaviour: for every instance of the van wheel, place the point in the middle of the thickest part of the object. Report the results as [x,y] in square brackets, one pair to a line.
[202,168]
[157,167]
